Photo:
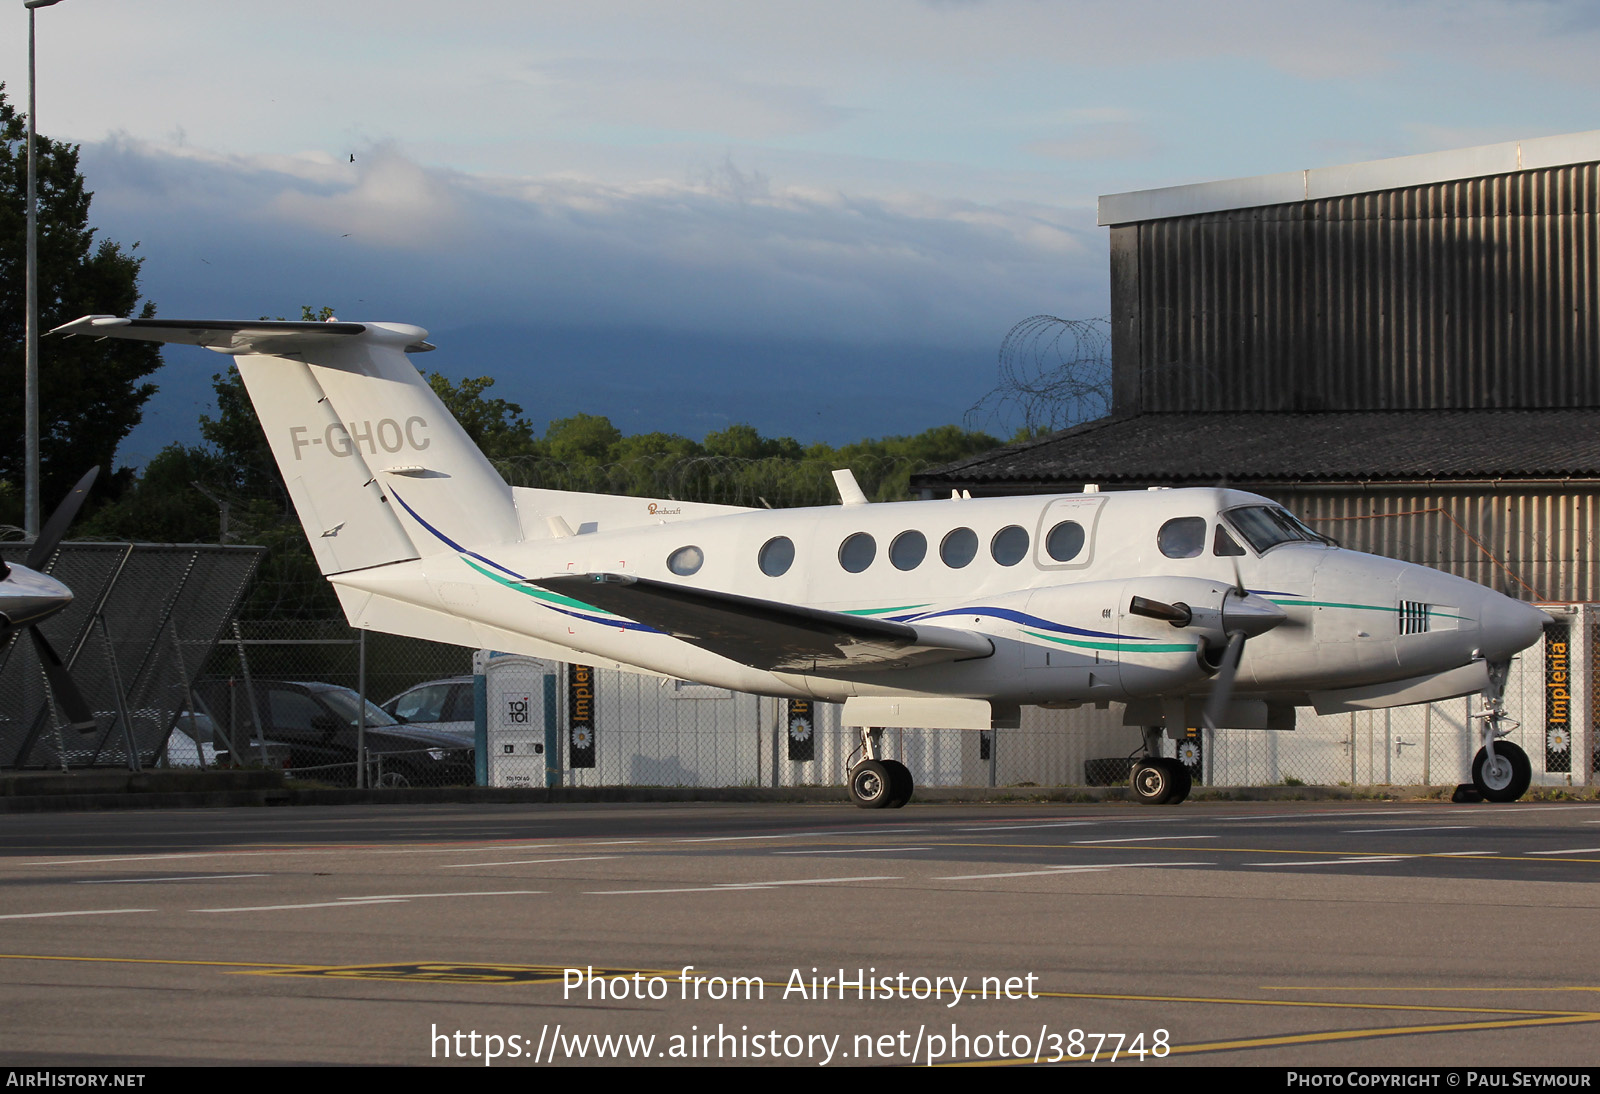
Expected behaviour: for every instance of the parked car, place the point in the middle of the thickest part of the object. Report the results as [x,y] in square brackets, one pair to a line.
[192,742]
[442,705]
[316,724]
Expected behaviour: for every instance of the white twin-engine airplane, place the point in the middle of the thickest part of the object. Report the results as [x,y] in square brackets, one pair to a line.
[947,614]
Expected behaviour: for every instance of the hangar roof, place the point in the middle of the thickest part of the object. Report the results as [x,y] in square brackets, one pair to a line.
[1328,446]
[1353,178]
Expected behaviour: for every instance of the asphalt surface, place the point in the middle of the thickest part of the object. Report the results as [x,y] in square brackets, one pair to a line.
[1319,933]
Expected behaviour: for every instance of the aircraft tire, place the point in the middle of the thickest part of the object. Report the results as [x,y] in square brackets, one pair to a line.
[871,786]
[901,784]
[1510,781]
[1182,781]
[1153,781]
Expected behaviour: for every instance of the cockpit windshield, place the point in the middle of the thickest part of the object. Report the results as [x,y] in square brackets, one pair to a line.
[1266,526]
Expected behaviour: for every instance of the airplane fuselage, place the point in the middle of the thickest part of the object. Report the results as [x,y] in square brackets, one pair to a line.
[1048,580]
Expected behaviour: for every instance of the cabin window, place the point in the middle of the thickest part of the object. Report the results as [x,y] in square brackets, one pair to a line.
[686,560]
[1224,544]
[857,552]
[908,550]
[776,556]
[1064,541]
[1009,546]
[1182,537]
[959,548]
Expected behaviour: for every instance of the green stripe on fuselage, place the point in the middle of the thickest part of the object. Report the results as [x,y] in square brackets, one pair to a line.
[533,590]
[1356,607]
[1115,646]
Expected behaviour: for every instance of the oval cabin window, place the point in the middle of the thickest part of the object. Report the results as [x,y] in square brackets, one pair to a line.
[1009,546]
[908,550]
[686,560]
[776,556]
[857,552]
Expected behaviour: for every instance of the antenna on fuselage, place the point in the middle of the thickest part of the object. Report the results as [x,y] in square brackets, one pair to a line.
[850,492]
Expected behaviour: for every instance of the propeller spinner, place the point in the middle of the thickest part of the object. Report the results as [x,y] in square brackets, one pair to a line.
[33,596]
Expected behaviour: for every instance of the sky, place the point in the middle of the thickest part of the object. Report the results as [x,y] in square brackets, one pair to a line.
[819,218]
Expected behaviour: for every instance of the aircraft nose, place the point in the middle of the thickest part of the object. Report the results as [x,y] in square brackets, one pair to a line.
[1508,626]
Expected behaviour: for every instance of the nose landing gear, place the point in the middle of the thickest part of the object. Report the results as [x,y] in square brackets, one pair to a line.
[1501,771]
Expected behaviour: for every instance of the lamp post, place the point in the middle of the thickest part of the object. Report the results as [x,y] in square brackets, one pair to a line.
[30,475]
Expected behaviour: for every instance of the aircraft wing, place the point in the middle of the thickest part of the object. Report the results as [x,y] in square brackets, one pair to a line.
[766,634]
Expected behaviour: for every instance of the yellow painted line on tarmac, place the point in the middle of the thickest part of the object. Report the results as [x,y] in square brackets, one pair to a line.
[1383,1031]
[1190,849]
[1303,987]
[1289,1039]
[153,961]
[1312,1003]
[458,972]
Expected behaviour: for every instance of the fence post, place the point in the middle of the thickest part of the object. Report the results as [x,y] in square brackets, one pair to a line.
[361,709]
[128,743]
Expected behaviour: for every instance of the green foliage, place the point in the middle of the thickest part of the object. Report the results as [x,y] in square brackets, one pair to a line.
[90,393]
[735,466]
[583,438]
[163,505]
[495,425]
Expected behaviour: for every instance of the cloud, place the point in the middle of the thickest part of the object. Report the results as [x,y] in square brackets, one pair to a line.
[678,304]
[391,203]
[727,249]
[678,97]
[1100,141]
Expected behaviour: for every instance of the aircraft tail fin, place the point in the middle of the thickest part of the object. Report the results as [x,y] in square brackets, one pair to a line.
[377,468]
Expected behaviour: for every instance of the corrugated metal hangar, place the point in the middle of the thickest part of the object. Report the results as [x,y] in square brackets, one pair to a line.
[1405,352]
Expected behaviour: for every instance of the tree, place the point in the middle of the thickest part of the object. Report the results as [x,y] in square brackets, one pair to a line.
[496,425]
[90,393]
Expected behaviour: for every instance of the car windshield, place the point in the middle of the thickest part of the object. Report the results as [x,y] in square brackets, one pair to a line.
[1266,526]
[344,705]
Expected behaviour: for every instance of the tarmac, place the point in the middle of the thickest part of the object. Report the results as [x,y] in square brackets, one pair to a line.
[41,792]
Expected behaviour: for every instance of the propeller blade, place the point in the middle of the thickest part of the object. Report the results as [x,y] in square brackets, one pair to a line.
[1222,688]
[66,692]
[56,527]
[1179,615]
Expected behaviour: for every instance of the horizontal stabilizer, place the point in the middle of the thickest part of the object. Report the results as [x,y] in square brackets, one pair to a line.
[378,469]
[765,634]
[262,336]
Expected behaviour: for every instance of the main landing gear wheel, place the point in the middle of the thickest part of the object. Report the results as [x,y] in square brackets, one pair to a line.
[1182,779]
[1160,781]
[900,783]
[1507,778]
[871,785]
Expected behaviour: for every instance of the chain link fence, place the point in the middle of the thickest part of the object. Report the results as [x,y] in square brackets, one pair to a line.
[305,696]
[142,622]
[635,730]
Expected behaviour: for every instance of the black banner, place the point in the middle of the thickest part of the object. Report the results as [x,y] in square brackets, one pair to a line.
[1191,752]
[802,730]
[1557,697]
[580,716]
